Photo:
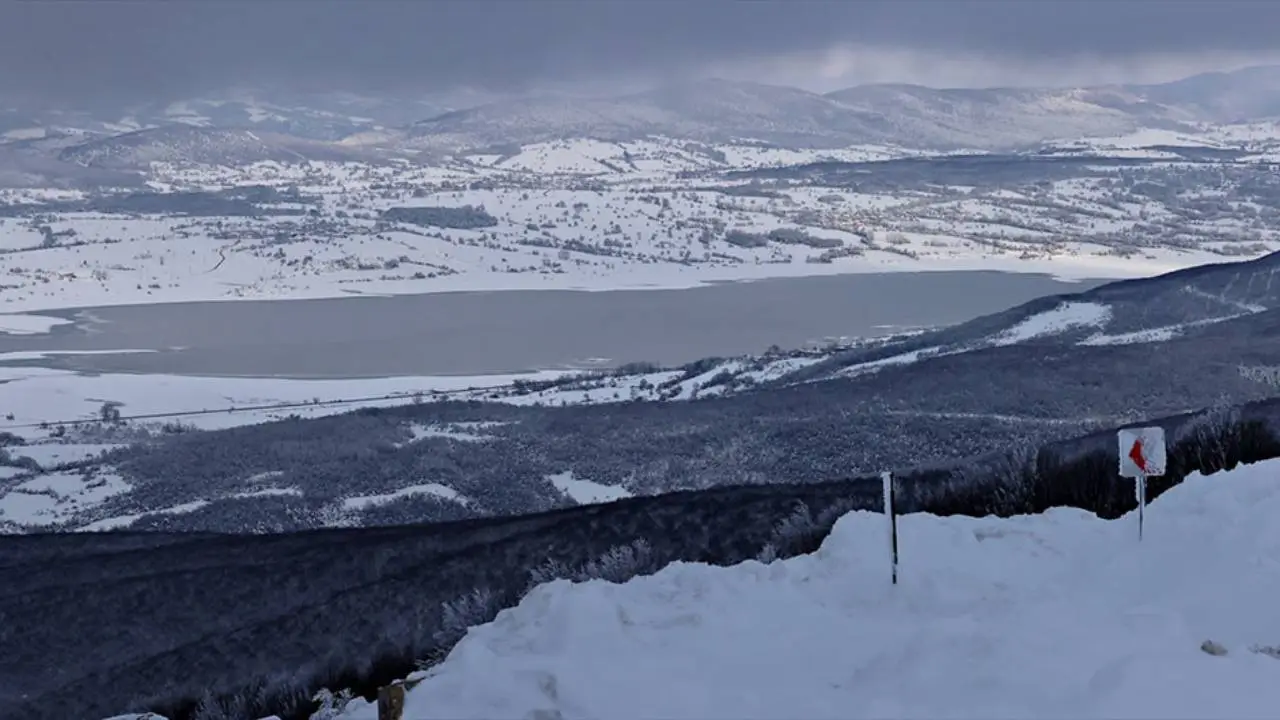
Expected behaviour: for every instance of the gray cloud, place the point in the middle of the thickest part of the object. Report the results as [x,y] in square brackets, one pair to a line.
[168,48]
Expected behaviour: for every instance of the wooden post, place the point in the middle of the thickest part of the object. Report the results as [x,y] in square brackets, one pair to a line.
[391,702]
[1140,488]
[892,514]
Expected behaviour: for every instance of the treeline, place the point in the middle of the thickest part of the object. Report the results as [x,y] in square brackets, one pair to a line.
[467,217]
[782,236]
[246,626]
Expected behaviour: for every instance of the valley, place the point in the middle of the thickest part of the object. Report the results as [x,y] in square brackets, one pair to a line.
[1046,370]
[237,197]
[592,264]
[670,219]
[307,387]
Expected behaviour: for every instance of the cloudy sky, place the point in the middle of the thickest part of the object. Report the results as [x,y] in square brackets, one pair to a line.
[85,49]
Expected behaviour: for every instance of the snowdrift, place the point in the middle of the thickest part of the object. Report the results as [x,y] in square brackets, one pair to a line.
[1052,615]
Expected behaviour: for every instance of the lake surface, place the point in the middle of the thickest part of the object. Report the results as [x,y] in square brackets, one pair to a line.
[475,333]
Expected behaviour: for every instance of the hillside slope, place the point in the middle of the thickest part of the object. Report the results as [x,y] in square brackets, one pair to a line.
[183,143]
[891,114]
[257,623]
[1030,616]
[236,129]
[1223,301]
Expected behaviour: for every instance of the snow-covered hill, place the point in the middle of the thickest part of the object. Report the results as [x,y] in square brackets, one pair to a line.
[722,111]
[906,115]
[995,118]
[1225,300]
[1223,97]
[1045,616]
[191,144]
[311,115]
[708,111]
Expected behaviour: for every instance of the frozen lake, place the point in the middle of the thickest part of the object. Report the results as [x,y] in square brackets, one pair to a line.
[475,333]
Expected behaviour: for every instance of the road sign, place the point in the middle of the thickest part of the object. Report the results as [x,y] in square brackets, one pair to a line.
[1142,452]
[1142,455]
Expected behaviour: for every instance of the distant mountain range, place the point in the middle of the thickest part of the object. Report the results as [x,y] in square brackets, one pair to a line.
[718,111]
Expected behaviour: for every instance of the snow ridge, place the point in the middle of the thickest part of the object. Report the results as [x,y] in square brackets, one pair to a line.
[1030,617]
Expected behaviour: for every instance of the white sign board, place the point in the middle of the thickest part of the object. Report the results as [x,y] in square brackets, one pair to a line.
[1142,452]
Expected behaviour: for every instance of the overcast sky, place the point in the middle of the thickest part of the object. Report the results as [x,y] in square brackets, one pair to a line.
[66,49]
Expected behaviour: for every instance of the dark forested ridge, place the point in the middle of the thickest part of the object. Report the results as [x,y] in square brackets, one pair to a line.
[239,626]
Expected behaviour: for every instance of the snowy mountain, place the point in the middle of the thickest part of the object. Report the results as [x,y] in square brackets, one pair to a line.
[907,115]
[708,111]
[723,111]
[1006,117]
[323,116]
[1223,97]
[24,166]
[199,145]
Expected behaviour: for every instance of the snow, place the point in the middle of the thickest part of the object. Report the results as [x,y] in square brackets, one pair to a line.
[269,492]
[33,398]
[1067,316]
[906,358]
[1157,334]
[123,521]
[35,395]
[586,492]
[362,502]
[50,454]
[31,133]
[641,224]
[458,431]
[17,324]
[1055,615]
[1151,335]
[1144,138]
[51,498]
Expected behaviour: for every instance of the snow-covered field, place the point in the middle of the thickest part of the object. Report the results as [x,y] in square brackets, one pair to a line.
[1049,616]
[31,396]
[585,214]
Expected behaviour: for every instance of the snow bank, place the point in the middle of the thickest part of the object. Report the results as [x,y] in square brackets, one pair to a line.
[1058,615]
[17,324]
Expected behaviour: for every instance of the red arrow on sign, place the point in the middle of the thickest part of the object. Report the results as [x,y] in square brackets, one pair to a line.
[1135,454]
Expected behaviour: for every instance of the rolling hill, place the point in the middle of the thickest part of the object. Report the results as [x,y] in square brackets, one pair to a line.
[1186,308]
[712,111]
[199,145]
[905,115]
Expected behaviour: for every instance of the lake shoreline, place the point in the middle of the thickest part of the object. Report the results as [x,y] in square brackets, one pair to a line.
[482,332]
